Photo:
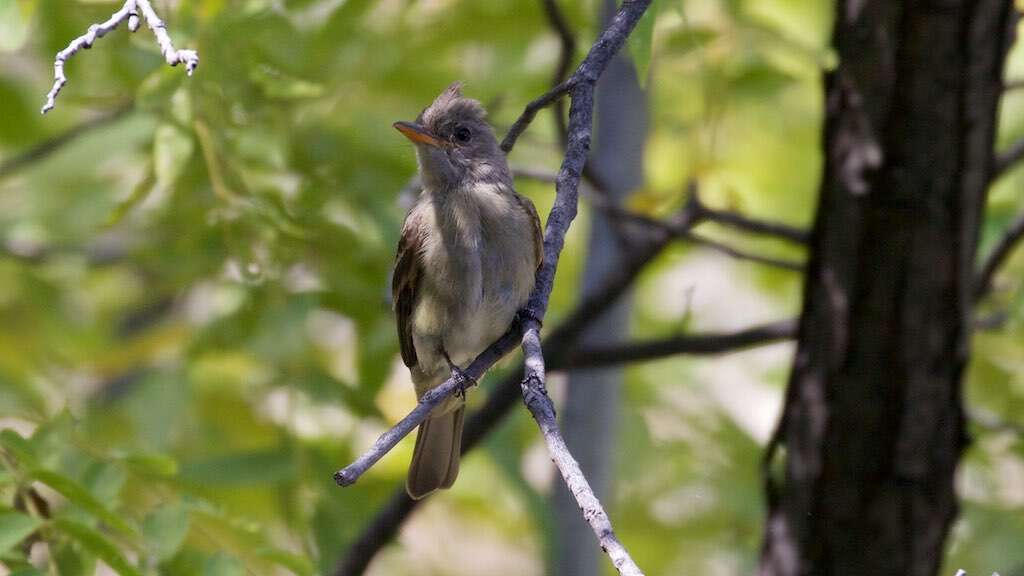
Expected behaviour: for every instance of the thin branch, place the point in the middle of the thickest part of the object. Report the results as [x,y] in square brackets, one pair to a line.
[567,51]
[581,87]
[1011,237]
[48,147]
[129,11]
[1007,158]
[755,226]
[496,351]
[537,401]
[698,344]
[500,401]
[1012,85]
[540,103]
[740,254]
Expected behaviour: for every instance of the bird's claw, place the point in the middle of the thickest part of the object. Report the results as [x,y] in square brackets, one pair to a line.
[524,314]
[463,382]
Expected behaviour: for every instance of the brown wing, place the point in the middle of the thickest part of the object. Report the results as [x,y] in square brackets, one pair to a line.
[403,287]
[538,233]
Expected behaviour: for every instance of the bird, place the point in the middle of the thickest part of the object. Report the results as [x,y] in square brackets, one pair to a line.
[467,260]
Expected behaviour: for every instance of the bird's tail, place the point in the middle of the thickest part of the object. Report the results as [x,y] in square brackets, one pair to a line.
[435,460]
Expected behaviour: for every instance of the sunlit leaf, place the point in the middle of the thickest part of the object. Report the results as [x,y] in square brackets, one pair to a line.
[172,150]
[165,530]
[78,495]
[641,42]
[221,565]
[98,544]
[15,527]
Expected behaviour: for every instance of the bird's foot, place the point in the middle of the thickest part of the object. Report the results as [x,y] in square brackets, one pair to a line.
[524,314]
[463,381]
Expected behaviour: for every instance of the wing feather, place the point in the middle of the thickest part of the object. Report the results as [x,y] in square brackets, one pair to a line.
[404,284]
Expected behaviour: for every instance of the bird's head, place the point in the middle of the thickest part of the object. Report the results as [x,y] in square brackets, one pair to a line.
[454,143]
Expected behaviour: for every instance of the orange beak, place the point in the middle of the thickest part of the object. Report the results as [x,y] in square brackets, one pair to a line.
[417,133]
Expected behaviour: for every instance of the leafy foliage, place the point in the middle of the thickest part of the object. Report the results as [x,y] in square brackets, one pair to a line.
[194,325]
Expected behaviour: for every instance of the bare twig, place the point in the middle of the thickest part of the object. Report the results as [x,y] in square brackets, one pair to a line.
[566,53]
[622,216]
[44,149]
[581,89]
[496,351]
[129,11]
[556,347]
[740,254]
[700,344]
[1011,237]
[536,398]
[754,226]
[1007,158]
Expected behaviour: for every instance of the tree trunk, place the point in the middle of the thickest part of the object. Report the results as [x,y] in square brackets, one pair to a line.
[873,426]
[590,413]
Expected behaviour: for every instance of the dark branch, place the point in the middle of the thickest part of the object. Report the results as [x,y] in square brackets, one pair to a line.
[998,256]
[1007,158]
[697,344]
[740,254]
[567,51]
[753,226]
[48,147]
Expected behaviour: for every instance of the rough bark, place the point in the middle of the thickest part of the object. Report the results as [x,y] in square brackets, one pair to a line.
[873,426]
[589,416]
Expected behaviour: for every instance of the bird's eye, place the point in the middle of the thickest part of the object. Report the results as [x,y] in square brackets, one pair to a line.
[462,134]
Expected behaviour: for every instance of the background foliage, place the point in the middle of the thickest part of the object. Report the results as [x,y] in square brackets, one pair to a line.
[194,325]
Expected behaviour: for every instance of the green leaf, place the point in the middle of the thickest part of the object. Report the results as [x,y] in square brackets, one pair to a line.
[247,468]
[98,544]
[15,527]
[276,84]
[153,464]
[172,149]
[26,572]
[79,496]
[293,562]
[221,565]
[18,447]
[165,530]
[641,41]
[689,39]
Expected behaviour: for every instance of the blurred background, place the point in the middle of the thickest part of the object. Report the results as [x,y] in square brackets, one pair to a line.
[195,327]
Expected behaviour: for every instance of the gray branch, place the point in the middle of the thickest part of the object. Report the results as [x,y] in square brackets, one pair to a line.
[580,87]
[129,11]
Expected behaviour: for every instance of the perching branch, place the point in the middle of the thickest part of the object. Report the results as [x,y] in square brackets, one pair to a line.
[1011,237]
[500,401]
[581,87]
[129,11]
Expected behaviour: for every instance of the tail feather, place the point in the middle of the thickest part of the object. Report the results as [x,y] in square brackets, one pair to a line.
[435,460]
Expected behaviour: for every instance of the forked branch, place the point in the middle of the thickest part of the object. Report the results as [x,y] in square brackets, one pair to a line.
[580,86]
[129,11]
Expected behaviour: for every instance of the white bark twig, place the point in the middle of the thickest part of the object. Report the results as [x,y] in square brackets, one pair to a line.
[129,11]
